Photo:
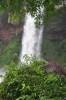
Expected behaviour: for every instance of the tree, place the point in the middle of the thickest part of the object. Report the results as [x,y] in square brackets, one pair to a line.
[18,8]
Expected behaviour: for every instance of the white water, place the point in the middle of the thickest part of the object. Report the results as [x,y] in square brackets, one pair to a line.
[1,73]
[31,40]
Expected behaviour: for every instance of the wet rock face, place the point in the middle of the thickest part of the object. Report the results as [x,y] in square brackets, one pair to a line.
[57,29]
[7,31]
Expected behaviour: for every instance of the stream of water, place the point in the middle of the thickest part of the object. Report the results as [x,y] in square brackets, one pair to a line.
[31,40]
[2,72]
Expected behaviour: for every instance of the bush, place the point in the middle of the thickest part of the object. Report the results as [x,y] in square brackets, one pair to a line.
[32,82]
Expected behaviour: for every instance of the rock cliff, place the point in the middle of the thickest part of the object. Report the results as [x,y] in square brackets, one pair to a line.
[57,29]
[54,40]
[7,31]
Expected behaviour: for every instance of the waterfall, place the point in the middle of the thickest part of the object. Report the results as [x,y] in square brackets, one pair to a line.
[31,39]
[2,72]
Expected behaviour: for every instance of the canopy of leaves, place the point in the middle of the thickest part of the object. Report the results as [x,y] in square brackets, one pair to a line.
[20,7]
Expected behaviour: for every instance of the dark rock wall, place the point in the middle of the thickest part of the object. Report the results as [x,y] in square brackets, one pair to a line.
[54,40]
[57,29]
[8,31]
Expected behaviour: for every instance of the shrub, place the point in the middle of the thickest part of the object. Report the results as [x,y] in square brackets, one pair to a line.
[32,82]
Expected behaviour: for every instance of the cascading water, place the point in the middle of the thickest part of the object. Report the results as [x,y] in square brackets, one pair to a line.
[2,73]
[31,40]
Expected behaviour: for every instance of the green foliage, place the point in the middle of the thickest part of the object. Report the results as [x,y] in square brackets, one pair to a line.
[54,50]
[18,8]
[31,82]
[10,52]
